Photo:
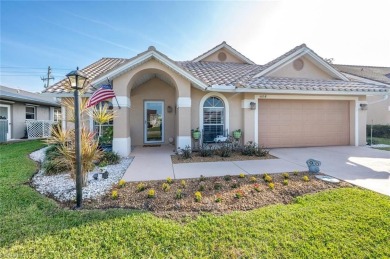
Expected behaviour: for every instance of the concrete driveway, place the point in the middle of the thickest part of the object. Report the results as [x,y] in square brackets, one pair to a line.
[362,166]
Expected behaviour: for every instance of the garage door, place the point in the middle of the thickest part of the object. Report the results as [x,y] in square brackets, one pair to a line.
[303,123]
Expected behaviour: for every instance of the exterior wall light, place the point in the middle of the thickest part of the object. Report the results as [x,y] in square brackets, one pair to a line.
[252,105]
[363,106]
[77,81]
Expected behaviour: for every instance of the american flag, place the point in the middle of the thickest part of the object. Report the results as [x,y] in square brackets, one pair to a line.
[103,93]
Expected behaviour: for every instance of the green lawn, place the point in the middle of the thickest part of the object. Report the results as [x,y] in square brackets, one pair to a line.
[348,223]
[380,141]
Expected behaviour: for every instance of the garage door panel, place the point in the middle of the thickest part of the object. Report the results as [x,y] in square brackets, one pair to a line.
[294,123]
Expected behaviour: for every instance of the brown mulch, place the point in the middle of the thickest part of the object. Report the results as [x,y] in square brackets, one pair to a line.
[166,204]
[236,156]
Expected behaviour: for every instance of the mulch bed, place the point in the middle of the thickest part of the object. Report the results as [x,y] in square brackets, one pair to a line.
[166,204]
[236,156]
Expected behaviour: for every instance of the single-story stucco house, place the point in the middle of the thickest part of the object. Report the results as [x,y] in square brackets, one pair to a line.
[378,112]
[295,100]
[18,107]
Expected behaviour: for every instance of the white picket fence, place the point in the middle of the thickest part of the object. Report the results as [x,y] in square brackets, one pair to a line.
[39,128]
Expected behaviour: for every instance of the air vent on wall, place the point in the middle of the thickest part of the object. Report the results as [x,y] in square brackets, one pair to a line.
[298,64]
[222,56]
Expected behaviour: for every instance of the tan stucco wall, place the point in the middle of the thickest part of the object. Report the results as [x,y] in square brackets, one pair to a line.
[309,70]
[153,90]
[229,57]
[378,111]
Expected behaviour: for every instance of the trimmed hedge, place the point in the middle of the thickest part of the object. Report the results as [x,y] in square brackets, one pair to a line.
[379,131]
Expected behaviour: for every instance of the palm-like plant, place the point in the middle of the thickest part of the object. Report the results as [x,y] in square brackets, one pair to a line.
[65,139]
[101,114]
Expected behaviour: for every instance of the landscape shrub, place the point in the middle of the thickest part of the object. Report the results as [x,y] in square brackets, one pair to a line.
[206,150]
[183,184]
[141,187]
[268,179]
[185,153]
[109,158]
[218,198]
[179,194]
[271,186]
[379,131]
[239,194]
[166,187]
[169,180]
[54,163]
[151,193]
[114,195]
[225,150]
[252,149]
[256,187]
[227,177]
[286,175]
[55,166]
[285,182]
[217,185]
[235,184]
[305,178]
[198,196]
[121,183]
[201,187]
[241,175]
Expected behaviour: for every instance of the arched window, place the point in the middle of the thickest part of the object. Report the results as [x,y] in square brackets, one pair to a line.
[213,118]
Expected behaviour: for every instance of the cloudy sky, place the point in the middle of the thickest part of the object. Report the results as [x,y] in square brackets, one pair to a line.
[67,34]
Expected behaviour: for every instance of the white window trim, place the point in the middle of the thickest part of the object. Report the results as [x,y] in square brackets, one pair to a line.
[35,111]
[224,99]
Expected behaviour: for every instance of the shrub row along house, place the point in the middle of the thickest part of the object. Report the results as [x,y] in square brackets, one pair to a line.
[295,100]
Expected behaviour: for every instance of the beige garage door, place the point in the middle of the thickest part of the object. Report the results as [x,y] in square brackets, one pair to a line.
[303,123]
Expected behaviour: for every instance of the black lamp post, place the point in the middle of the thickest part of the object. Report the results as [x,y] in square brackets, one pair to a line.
[77,80]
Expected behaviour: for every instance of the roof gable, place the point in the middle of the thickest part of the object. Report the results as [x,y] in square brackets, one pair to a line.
[236,56]
[297,53]
[151,53]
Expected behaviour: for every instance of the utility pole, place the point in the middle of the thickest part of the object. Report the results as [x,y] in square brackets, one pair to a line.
[48,78]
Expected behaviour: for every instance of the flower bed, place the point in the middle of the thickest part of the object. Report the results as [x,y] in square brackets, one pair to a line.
[217,194]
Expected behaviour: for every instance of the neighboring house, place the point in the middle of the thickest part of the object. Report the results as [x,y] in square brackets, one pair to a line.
[296,100]
[18,106]
[378,106]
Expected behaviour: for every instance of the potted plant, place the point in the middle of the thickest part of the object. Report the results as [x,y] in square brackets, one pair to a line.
[196,133]
[237,134]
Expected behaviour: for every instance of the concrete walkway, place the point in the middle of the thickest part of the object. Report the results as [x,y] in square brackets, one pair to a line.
[362,166]
[150,163]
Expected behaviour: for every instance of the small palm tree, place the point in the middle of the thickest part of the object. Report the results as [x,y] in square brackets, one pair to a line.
[64,140]
[101,114]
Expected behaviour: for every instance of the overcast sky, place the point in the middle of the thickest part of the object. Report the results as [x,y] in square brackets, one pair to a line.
[64,34]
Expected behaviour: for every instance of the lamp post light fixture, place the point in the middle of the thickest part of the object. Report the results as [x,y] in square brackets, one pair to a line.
[77,81]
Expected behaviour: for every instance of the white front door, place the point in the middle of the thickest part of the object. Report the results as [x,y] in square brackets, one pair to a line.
[5,117]
[154,122]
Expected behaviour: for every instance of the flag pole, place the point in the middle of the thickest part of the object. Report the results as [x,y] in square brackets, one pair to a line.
[112,87]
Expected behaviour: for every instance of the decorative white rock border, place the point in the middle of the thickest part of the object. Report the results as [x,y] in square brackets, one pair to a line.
[63,188]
